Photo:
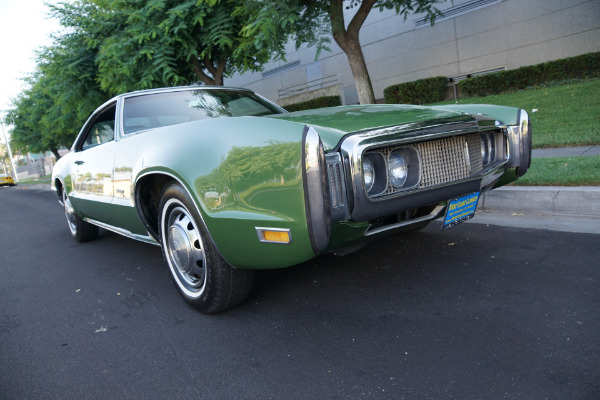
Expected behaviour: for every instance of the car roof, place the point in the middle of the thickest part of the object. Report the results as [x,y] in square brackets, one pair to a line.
[179,89]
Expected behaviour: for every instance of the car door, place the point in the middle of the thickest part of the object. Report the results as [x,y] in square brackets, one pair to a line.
[93,188]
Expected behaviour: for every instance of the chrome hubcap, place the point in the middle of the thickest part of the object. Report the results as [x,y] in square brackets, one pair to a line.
[180,248]
[185,250]
[69,213]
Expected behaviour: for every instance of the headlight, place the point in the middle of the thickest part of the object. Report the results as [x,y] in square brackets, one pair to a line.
[368,173]
[390,170]
[398,169]
[492,146]
[485,153]
[374,173]
[488,148]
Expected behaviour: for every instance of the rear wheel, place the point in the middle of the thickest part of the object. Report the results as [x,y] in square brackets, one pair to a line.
[201,275]
[80,230]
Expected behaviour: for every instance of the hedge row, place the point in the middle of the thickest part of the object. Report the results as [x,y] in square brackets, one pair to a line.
[319,102]
[423,91]
[584,66]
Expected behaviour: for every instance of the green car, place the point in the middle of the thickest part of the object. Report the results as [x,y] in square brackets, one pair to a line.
[227,182]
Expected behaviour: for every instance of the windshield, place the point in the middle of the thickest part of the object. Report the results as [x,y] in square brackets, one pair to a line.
[163,109]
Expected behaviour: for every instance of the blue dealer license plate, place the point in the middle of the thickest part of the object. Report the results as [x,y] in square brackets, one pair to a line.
[460,210]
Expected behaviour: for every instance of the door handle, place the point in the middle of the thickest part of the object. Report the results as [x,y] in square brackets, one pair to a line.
[79,162]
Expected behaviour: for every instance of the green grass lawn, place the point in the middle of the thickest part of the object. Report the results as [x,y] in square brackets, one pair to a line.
[32,181]
[562,171]
[568,114]
[563,114]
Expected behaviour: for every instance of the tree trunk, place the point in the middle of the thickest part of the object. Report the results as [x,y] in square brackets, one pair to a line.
[347,39]
[217,72]
[362,81]
[55,152]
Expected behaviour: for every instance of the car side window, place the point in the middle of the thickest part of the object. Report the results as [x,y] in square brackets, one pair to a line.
[102,129]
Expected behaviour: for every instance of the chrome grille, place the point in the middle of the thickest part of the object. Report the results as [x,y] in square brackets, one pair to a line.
[443,160]
[475,160]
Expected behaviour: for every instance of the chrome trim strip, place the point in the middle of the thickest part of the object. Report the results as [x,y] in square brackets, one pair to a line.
[514,148]
[316,193]
[525,136]
[436,213]
[261,235]
[337,186]
[124,232]
[467,157]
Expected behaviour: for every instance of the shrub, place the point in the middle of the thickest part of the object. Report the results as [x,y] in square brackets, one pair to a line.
[319,102]
[422,91]
[579,67]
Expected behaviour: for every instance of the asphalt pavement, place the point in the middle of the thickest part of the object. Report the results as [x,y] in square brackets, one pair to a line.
[473,312]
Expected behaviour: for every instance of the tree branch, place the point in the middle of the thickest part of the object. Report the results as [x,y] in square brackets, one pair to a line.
[338,26]
[200,74]
[221,70]
[209,65]
[360,17]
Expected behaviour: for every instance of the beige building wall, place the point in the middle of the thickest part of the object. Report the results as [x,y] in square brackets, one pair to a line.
[492,34]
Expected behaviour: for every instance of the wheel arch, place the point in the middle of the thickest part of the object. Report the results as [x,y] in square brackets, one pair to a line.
[148,189]
[59,186]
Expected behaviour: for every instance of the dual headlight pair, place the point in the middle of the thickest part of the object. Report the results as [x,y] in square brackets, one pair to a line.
[388,170]
[488,148]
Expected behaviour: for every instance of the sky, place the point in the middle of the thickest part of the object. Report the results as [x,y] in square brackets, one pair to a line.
[24,27]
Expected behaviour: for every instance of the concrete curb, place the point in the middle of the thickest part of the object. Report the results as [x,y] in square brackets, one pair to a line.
[561,200]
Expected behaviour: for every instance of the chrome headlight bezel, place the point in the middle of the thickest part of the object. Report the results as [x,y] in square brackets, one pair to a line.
[379,180]
[384,179]
[368,171]
[489,153]
[413,167]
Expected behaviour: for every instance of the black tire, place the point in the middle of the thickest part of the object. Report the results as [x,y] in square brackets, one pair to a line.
[80,230]
[203,278]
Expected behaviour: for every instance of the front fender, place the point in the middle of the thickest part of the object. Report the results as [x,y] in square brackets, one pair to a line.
[61,174]
[242,173]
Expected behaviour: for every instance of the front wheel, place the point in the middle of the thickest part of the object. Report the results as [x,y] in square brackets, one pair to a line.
[80,230]
[201,275]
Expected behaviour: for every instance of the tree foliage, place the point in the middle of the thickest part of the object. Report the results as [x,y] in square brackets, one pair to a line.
[314,21]
[116,46]
[153,43]
[60,96]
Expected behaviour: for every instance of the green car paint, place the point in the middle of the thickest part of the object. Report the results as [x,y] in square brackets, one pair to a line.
[240,181]
[505,115]
[334,123]
[241,172]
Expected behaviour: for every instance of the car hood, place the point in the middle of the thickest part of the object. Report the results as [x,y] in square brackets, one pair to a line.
[335,122]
